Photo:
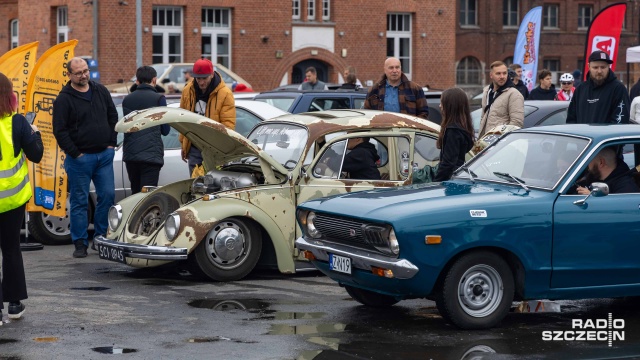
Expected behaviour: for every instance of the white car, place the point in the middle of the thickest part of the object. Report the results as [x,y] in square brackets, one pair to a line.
[52,230]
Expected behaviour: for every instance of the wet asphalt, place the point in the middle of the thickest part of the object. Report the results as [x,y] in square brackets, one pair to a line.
[92,309]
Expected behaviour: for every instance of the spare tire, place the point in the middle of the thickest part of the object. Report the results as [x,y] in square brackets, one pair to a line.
[151,213]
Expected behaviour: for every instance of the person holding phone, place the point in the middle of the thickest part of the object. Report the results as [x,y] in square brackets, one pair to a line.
[17,139]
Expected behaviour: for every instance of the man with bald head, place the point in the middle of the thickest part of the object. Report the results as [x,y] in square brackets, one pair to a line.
[394,92]
[84,118]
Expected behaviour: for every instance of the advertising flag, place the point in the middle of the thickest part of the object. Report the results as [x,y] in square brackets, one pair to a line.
[527,46]
[17,65]
[48,178]
[604,33]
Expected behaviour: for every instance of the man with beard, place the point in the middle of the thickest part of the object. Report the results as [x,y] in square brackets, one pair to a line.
[207,95]
[502,104]
[601,98]
[607,168]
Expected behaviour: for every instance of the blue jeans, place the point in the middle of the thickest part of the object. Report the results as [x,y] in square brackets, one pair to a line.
[80,172]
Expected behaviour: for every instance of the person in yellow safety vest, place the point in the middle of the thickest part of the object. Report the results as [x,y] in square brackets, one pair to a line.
[17,139]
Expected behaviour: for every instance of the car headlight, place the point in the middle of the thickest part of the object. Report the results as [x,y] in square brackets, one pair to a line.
[393,242]
[114,217]
[382,237]
[171,226]
[311,227]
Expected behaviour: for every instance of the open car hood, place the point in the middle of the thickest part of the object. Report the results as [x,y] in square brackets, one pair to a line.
[218,144]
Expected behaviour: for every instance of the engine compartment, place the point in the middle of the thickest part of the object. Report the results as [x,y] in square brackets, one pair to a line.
[223,180]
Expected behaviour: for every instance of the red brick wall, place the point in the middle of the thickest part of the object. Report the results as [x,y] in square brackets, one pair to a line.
[8,12]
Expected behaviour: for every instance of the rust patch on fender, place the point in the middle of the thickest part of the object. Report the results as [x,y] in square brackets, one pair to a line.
[133,129]
[188,219]
[156,116]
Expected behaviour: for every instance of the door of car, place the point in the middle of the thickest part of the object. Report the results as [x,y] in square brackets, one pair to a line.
[597,244]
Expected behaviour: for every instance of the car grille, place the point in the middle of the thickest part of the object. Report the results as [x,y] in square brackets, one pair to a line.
[345,231]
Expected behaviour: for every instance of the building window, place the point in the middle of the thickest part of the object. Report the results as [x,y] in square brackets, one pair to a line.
[62,25]
[326,10]
[468,72]
[295,8]
[216,35]
[399,40]
[585,15]
[311,9]
[550,16]
[551,65]
[14,33]
[510,13]
[167,34]
[468,13]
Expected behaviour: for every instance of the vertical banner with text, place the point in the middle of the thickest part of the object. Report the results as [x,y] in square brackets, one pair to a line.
[528,45]
[17,65]
[48,178]
[604,34]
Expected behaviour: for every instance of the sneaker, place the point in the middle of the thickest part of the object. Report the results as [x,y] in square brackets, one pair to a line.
[16,309]
[81,249]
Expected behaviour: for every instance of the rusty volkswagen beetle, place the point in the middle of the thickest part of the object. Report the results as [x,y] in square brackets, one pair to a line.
[241,213]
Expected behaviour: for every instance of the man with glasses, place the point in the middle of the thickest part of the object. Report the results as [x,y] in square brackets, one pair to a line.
[84,118]
[566,88]
[207,95]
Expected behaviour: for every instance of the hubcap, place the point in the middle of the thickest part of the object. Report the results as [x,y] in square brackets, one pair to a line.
[150,222]
[227,245]
[57,226]
[480,290]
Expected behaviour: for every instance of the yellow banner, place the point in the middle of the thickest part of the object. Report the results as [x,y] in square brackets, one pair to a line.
[17,64]
[48,178]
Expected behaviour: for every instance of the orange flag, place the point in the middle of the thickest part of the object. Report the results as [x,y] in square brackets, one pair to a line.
[17,65]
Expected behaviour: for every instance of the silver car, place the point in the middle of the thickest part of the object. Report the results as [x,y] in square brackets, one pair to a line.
[53,230]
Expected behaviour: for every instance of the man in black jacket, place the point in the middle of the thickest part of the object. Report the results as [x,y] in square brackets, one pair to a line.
[143,151]
[607,168]
[360,162]
[84,118]
[601,98]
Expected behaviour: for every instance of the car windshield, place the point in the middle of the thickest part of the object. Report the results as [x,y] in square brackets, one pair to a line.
[284,142]
[537,160]
[281,103]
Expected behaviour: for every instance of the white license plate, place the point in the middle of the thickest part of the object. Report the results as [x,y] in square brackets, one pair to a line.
[340,264]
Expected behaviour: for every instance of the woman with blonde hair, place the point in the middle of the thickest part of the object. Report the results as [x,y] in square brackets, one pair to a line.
[456,132]
[17,139]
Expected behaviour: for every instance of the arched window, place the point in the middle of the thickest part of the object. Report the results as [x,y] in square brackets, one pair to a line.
[469,72]
[508,61]
[14,33]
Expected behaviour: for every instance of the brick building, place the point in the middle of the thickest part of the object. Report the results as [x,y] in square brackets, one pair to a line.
[271,45]
[267,45]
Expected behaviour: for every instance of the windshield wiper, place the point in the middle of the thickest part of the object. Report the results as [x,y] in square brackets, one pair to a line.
[472,175]
[512,178]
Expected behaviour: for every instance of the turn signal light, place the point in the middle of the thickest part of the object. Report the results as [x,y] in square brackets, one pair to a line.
[382,272]
[308,255]
[432,239]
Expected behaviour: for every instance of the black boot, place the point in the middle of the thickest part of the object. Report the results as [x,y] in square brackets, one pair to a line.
[81,249]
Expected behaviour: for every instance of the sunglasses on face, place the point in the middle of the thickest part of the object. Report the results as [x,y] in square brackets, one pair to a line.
[567,83]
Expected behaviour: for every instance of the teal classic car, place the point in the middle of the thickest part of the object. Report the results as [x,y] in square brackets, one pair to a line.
[508,226]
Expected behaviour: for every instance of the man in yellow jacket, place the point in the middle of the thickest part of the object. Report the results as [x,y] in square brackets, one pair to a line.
[206,95]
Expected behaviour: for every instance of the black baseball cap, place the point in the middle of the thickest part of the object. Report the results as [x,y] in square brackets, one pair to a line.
[600,55]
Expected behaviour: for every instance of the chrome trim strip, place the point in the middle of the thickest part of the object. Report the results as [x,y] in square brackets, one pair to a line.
[149,252]
[361,259]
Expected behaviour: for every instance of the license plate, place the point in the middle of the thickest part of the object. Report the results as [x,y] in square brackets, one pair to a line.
[111,253]
[340,264]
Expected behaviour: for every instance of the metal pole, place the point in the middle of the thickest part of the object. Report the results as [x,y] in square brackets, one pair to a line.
[95,29]
[138,33]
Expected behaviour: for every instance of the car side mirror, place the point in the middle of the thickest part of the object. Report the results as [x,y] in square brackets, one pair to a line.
[598,189]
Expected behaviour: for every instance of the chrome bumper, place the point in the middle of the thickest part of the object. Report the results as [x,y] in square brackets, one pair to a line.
[360,259]
[145,251]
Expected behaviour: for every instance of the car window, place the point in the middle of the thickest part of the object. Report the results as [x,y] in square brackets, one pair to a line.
[225,76]
[358,103]
[331,160]
[425,152]
[557,118]
[281,103]
[169,142]
[177,75]
[160,69]
[245,121]
[320,104]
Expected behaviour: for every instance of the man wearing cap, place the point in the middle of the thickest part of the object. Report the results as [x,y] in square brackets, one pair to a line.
[206,95]
[601,98]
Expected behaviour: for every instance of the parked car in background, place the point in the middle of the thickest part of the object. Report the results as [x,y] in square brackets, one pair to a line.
[536,113]
[53,230]
[242,212]
[175,72]
[508,226]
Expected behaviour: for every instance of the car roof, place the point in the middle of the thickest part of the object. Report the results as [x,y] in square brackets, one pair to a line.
[284,93]
[597,132]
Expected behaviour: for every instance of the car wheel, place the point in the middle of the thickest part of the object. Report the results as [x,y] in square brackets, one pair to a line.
[53,230]
[370,298]
[151,214]
[477,291]
[229,251]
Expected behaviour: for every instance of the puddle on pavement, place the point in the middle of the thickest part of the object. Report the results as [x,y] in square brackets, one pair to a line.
[46,339]
[113,350]
[161,282]
[251,305]
[219,338]
[305,329]
[289,315]
[91,288]
[8,341]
